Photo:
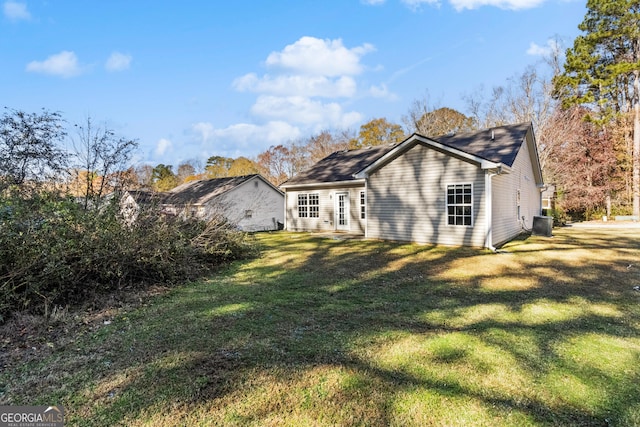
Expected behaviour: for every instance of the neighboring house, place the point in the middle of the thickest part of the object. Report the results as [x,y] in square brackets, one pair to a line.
[250,202]
[132,201]
[549,197]
[473,189]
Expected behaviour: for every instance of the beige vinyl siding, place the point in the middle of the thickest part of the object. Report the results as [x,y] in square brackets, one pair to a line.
[326,219]
[406,199]
[265,204]
[506,222]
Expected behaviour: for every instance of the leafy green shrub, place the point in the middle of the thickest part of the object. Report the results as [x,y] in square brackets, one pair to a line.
[54,252]
[560,217]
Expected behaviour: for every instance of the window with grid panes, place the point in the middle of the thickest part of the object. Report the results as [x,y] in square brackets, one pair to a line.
[309,205]
[303,207]
[314,205]
[460,204]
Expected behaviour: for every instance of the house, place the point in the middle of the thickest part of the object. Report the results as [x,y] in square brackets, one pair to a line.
[132,201]
[549,197]
[473,189]
[250,202]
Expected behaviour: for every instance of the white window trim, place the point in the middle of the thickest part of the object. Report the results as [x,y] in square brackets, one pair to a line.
[315,213]
[307,205]
[446,213]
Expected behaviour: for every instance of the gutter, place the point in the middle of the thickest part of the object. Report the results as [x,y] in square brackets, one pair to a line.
[353,183]
[488,188]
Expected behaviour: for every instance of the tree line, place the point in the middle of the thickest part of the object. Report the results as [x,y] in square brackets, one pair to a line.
[584,106]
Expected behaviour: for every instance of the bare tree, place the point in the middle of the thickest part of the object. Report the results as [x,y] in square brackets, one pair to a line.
[185,170]
[102,155]
[144,174]
[31,148]
[527,97]
[419,107]
[276,164]
[323,144]
[581,161]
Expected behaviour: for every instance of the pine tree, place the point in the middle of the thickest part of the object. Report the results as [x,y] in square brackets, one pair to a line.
[602,71]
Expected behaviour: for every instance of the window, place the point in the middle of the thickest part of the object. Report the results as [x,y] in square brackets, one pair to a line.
[303,208]
[308,205]
[314,205]
[363,206]
[459,204]
[248,214]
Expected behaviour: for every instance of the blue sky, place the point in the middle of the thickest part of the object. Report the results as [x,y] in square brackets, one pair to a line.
[192,79]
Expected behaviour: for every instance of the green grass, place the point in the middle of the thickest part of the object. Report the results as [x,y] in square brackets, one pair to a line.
[346,332]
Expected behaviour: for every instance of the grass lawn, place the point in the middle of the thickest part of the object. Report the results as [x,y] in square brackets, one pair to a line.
[320,331]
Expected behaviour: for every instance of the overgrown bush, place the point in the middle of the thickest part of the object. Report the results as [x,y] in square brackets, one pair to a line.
[54,252]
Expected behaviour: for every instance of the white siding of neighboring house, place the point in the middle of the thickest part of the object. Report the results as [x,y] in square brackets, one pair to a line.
[252,206]
[129,209]
[326,220]
[507,223]
[407,199]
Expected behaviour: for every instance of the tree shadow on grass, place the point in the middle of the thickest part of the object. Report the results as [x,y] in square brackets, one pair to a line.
[401,319]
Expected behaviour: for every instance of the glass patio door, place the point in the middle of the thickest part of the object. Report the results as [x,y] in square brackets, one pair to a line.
[342,211]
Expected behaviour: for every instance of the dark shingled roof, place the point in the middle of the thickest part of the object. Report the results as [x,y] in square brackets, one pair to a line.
[503,148]
[201,191]
[499,145]
[341,165]
[143,197]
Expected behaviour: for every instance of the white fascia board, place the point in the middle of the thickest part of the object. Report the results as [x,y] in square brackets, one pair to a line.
[415,139]
[350,183]
[486,164]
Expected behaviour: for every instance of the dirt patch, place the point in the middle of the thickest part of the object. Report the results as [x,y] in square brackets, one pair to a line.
[26,337]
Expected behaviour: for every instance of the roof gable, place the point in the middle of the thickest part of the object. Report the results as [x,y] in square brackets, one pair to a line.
[493,148]
[490,148]
[202,191]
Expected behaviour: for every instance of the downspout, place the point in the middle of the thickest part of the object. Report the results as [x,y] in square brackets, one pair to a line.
[366,208]
[488,242]
[542,189]
[286,197]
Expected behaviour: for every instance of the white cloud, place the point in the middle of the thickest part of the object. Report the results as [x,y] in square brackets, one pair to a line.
[302,85]
[373,2]
[460,5]
[163,146]
[416,4]
[314,56]
[64,64]
[502,4]
[303,110]
[303,92]
[15,11]
[537,50]
[203,129]
[308,69]
[382,91]
[240,139]
[118,62]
